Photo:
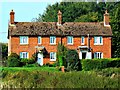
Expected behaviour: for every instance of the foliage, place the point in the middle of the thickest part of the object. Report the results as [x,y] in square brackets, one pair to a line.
[43,79]
[4,50]
[14,55]
[61,52]
[13,60]
[115,22]
[108,71]
[90,17]
[34,57]
[26,61]
[32,65]
[4,53]
[72,60]
[99,63]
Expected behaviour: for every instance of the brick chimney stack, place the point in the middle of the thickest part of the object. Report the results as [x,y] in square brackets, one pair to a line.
[106,19]
[59,17]
[12,17]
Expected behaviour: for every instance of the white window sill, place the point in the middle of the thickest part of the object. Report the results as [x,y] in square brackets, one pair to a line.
[69,43]
[23,43]
[52,59]
[99,44]
[52,43]
[39,43]
[82,44]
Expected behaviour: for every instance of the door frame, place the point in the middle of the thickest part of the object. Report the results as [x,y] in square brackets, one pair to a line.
[40,55]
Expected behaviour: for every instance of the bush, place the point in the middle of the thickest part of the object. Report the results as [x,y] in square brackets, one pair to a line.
[71,60]
[32,65]
[99,63]
[51,65]
[13,60]
[26,61]
[14,55]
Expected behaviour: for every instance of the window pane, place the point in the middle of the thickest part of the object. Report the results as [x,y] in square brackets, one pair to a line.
[82,39]
[23,39]
[100,39]
[95,39]
[100,55]
[52,39]
[39,40]
[95,55]
[69,39]
[21,55]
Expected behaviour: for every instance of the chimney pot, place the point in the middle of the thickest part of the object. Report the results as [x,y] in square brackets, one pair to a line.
[106,18]
[59,17]
[12,17]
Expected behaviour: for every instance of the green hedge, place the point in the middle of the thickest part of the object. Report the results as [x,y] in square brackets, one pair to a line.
[88,64]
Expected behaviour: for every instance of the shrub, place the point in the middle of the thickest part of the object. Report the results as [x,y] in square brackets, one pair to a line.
[71,60]
[115,62]
[14,55]
[51,65]
[32,65]
[13,60]
[26,61]
[99,63]
[61,52]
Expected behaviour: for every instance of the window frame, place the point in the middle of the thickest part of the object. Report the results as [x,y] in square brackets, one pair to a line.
[72,39]
[51,39]
[98,40]
[22,41]
[53,54]
[99,55]
[39,39]
[82,39]
[22,53]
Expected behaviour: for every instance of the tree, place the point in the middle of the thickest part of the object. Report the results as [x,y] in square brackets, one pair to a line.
[4,51]
[90,17]
[115,22]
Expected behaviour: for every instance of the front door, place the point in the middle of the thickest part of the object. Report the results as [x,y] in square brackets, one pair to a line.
[85,55]
[40,59]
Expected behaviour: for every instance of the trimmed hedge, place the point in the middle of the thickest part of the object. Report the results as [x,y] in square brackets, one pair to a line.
[88,64]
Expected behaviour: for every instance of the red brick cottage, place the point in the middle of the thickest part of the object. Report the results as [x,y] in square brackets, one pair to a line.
[90,39]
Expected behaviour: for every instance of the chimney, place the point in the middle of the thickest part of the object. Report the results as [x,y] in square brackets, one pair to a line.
[59,17]
[106,19]
[12,17]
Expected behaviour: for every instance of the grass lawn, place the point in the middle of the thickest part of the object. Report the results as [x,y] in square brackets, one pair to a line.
[29,69]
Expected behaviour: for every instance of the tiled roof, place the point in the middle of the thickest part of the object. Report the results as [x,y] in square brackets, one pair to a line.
[51,28]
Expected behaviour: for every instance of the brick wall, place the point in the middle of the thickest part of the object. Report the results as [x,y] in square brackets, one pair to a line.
[33,41]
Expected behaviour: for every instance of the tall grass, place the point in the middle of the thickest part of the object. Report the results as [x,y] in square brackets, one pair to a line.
[37,78]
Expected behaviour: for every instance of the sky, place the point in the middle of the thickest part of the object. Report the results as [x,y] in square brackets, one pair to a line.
[25,11]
